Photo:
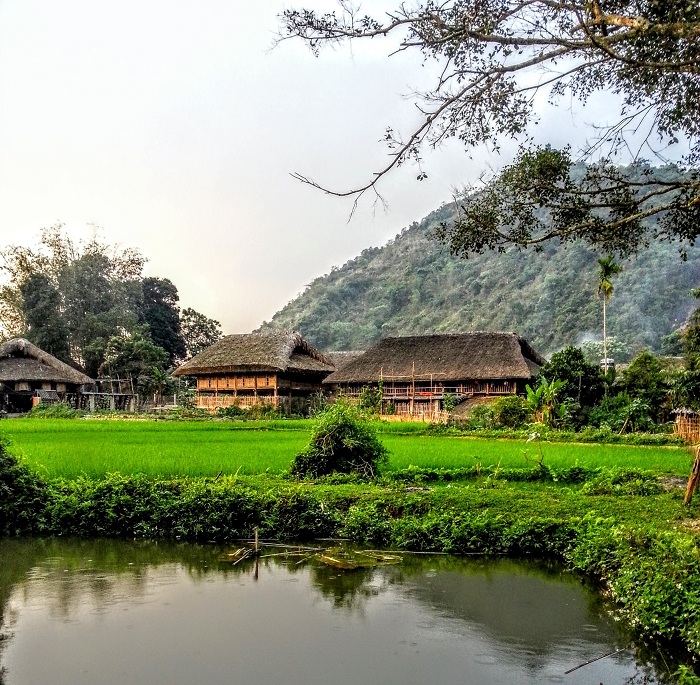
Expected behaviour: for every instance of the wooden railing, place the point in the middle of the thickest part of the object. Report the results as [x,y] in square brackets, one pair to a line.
[427,392]
[213,402]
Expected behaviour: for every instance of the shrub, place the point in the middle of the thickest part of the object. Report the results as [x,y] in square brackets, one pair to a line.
[511,411]
[232,412]
[58,410]
[23,497]
[341,442]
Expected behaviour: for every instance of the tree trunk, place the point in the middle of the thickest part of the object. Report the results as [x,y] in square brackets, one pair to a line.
[605,341]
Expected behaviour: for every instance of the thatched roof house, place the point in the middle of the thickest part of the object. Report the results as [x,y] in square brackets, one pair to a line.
[418,371]
[278,351]
[28,374]
[256,368]
[449,357]
[23,362]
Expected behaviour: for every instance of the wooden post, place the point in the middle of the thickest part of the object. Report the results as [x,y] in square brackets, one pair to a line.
[413,388]
[694,479]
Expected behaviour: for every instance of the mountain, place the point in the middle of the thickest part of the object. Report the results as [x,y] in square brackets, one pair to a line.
[412,285]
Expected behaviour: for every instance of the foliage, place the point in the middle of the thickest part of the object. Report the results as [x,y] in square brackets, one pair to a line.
[45,321]
[23,496]
[77,300]
[233,411]
[449,402]
[644,380]
[481,417]
[546,297]
[511,411]
[607,268]
[684,389]
[691,337]
[198,331]
[583,381]
[134,357]
[54,410]
[159,311]
[544,399]
[341,441]
[489,57]
[371,399]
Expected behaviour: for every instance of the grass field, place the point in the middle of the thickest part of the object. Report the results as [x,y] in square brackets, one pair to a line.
[69,448]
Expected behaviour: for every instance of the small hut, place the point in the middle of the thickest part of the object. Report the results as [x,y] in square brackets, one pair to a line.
[29,375]
[687,424]
[280,369]
[416,373]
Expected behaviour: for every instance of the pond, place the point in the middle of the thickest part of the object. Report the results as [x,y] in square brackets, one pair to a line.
[115,612]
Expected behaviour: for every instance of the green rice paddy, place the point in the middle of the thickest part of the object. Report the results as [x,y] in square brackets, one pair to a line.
[70,448]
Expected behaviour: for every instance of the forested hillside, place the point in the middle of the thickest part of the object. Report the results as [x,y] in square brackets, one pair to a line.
[412,285]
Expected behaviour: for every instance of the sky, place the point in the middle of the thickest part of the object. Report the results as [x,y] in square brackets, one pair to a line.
[174,126]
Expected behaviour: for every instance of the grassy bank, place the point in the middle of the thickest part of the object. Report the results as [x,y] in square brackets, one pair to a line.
[70,448]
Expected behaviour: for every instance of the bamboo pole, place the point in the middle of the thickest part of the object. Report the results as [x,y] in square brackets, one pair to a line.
[694,479]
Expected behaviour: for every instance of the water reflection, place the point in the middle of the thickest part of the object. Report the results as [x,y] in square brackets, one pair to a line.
[122,612]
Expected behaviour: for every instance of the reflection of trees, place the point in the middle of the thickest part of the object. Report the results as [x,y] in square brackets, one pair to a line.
[470,594]
[346,589]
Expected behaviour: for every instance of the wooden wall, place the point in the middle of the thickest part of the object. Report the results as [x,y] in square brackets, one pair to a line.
[237,382]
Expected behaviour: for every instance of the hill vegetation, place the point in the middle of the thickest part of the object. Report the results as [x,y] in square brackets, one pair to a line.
[412,285]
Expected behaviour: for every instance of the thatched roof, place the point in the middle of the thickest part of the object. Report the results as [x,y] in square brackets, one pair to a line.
[278,351]
[340,358]
[448,357]
[21,360]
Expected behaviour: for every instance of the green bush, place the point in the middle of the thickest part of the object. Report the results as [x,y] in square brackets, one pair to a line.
[511,411]
[58,410]
[232,412]
[341,442]
[23,496]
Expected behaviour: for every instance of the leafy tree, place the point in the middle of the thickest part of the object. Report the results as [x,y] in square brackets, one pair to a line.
[134,357]
[583,381]
[607,268]
[97,307]
[491,56]
[159,309]
[198,331]
[644,380]
[684,389]
[43,316]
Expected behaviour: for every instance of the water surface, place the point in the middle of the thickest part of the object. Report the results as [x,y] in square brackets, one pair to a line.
[114,612]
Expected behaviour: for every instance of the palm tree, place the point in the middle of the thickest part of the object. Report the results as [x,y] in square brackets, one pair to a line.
[607,268]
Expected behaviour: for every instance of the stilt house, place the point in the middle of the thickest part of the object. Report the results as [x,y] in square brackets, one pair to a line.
[280,369]
[416,373]
[29,375]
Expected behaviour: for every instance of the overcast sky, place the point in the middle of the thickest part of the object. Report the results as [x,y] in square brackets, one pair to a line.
[174,126]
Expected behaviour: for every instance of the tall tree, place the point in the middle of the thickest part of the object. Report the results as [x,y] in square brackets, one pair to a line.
[494,57]
[159,309]
[42,311]
[607,268]
[198,331]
